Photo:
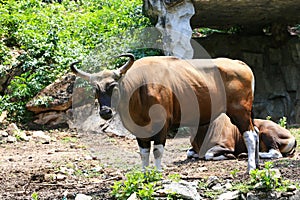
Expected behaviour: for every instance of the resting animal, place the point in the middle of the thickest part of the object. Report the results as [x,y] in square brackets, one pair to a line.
[224,141]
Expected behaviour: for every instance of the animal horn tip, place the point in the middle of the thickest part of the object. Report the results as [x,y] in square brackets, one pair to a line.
[129,63]
[126,55]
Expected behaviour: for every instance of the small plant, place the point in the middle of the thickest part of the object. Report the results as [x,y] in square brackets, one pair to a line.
[265,178]
[234,172]
[70,140]
[174,177]
[35,196]
[282,122]
[143,184]
[268,117]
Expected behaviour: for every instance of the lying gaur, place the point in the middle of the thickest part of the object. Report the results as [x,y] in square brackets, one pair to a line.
[224,140]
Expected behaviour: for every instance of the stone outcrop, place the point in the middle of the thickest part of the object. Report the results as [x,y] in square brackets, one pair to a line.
[56,96]
[251,15]
[51,103]
[173,19]
[276,69]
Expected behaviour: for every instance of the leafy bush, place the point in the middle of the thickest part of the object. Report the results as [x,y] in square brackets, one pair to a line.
[265,178]
[142,183]
[51,35]
[282,121]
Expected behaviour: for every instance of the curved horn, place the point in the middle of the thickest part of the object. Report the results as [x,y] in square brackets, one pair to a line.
[86,76]
[128,64]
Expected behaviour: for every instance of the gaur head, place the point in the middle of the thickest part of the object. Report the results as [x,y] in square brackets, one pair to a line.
[104,83]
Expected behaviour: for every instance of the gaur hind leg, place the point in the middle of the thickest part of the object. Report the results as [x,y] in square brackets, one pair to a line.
[250,135]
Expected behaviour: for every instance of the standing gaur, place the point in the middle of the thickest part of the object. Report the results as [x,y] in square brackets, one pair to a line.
[155,94]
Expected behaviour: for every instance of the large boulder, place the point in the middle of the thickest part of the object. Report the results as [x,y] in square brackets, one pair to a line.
[55,97]
[251,15]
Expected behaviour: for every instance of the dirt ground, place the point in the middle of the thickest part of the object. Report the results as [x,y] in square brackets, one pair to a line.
[88,163]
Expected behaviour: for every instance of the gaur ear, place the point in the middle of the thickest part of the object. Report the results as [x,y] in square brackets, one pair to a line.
[122,70]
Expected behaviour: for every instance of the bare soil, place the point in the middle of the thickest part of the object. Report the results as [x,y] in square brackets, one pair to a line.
[90,163]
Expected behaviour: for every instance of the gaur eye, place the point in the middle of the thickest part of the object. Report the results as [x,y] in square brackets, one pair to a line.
[110,87]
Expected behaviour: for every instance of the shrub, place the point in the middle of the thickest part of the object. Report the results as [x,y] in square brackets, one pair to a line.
[265,178]
[142,183]
[51,35]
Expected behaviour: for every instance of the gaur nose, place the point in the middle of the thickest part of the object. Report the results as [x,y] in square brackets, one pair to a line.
[105,112]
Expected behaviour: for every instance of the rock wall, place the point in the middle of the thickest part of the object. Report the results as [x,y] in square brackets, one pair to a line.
[173,21]
[276,68]
[252,15]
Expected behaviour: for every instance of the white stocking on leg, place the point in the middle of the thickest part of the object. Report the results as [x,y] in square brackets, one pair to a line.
[158,153]
[145,152]
[251,141]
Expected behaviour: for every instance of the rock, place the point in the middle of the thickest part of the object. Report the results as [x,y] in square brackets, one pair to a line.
[83,197]
[3,133]
[60,177]
[287,194]
[211,181]
[3,116]
[133,196]
[217,186]
[11,139]
[49,177]
[51,118]
[296,195]
[291,188]
[229,195]
[66,170]
[116,127]
[228,186]
[251,15]
[184,189]
[85,118]
[55,97]
[13,129]
[173,21]
[277,173]
[252,196]
[202,169]
[41,136]
[23,136]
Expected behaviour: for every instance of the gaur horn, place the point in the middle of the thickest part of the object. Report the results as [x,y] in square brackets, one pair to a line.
[86,76]
[128,64]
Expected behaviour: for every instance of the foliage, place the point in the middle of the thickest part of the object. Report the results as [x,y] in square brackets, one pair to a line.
[35,196]
[142,183]
[204,32]
[282,121]
[51,35]
[265,178]
[174,177]
[234,172]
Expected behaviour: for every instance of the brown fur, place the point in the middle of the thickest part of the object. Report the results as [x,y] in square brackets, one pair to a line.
[272,136]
